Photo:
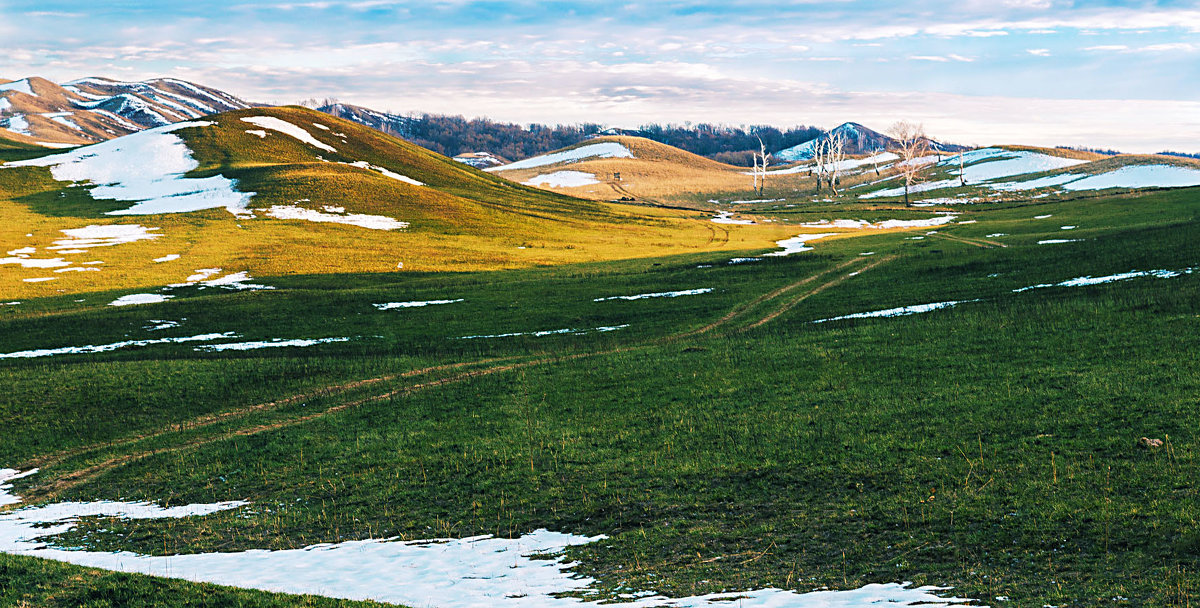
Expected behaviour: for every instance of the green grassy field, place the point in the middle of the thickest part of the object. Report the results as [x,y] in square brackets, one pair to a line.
[722,440]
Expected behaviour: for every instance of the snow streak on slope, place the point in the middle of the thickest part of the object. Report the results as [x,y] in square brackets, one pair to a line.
[986,164]
[146,168]
[287,128]
[563,179]
[1139,176]
[608,149]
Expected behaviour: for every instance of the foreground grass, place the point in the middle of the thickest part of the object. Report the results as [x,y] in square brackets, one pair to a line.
[992,446]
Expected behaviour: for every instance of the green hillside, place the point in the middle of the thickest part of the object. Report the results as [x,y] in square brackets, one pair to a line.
[721,440]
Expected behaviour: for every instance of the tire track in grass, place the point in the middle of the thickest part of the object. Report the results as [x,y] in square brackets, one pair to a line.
[793,302]
[207,420]
[82,476]
[984,243]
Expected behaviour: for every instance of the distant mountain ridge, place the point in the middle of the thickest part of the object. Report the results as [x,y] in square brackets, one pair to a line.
[89,110]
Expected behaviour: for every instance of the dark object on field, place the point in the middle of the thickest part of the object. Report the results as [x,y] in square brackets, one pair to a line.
[1149,444]
[695,349]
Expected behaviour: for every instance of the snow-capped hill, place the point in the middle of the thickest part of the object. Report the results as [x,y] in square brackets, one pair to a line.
[858,140]
[88,110]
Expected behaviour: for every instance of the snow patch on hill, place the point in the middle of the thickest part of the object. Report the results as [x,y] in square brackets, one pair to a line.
[287,128]
[608,149]
[146,168]
[564,179]
[1139,176]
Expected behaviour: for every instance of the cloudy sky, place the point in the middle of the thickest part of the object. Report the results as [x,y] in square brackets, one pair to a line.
[1104,73]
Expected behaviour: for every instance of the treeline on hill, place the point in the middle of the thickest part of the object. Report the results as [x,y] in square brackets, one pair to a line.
[454,135]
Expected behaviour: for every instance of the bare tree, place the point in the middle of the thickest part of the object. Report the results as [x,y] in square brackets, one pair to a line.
[762,182]
[962,176]
[912,146]
[819,162]
[835,153]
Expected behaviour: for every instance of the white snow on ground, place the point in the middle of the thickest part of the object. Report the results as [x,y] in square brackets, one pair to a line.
[898,312]
[608,149]
[167,258]
[5,104]
[77,269]
[236,281]
[1139,176]
[883,225]
[744,260]
[257,132]
[1124,276]
[103,236]
[761,200]
[1057,241]
[103,348]
[147,168]
[847,165]
[36,262]
[287,128]
[23,251]
[320,126]
[796,244]
[362,164]
[983,165]
[48,144]
[1042,217]
[564,179]
[61,118]
[661,294]
[1041,182]
[274,343]
[160,324]
[40,279]
[726,217]
[374,222]
[139,298]
[525,572]
[549,332]
[17,124]
[417,304]
[21,86]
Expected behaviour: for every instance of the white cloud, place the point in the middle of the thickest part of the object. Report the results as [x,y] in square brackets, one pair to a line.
[1038,52]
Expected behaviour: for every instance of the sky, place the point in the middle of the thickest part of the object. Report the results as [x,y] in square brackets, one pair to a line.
[1105,74]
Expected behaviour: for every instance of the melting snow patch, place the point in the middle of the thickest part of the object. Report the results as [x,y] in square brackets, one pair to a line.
[1139,176]
[761,200]
[258,132]
[146,168]
[159,324]
[139,298]
[607,149]
[40,279]
[564,179]
[103,236]
[996,234]
[274,343]
[744,260]
[662,294]
[1057,241]
[525,572]
[36,262]
[885,224]
[1067,227]
[1124,276]
[103,348]
[1042,217]
[170,257]
[796,244]
[898,312]
[362,164]
[374,222]
[419,304]
[726,217]
[287,128]
[1041,182]
[550,332]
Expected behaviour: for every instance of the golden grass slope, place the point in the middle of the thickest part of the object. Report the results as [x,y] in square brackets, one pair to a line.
[657,172]
[463,219]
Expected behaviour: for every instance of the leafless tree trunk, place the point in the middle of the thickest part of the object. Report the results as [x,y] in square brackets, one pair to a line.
[762,182]
[819,162]
[912,145]
[835,154]
[962,177]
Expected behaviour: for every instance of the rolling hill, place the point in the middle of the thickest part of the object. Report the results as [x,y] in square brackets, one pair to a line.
[279,191]
[36,111]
